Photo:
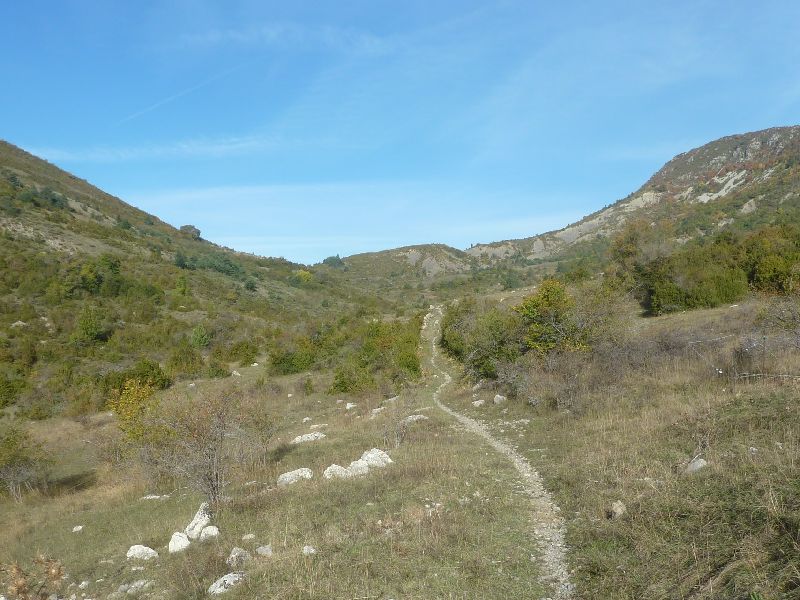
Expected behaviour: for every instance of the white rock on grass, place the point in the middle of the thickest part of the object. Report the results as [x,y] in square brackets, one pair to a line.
[248,536]
[696,464]
[336,471]
[225,583]
[477,403]
[209,532]
[264,550]
[498,399]
[308,437]
[77,529]
[306,419]
[377,411]
[295,476]
[139,552]
[358,468]
[318,425]
[309,550]
[201,518]
[238,558]
[393,399]
[413,419]
[83,584]
[350,406]
[179,542]
[154,497]
[254,365]
[376,458]
[236,373]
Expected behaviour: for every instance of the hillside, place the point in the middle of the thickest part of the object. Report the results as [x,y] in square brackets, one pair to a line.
[735,181]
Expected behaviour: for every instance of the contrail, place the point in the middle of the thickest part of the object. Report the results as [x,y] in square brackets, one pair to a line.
[180,94]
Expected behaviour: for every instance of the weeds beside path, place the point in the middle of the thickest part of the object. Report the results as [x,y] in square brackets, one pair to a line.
[548,525]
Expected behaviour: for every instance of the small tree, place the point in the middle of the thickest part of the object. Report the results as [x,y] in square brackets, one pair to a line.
[193,440]
[22,461]
[548,320]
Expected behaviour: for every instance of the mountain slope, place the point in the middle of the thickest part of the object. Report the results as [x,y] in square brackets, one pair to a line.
[707,188]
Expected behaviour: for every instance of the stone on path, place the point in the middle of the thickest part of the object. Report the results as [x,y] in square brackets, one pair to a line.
[295,476]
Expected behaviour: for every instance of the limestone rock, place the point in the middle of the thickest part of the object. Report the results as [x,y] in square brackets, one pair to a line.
[139,552]
[618,509]
[248,536]
[264,550]
[295,476]
[209,532]
[238,558]
[201,518]
[358,468]
[179,542]
[308,437]
[224,583]
[376,458]
[77,529]
[477,403]
[349,406]
[413,419]
[309,550]
[498,399]
[306,419]
[336,471]
[696,464]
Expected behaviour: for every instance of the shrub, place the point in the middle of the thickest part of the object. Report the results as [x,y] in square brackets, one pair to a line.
[22,462]
[133,406]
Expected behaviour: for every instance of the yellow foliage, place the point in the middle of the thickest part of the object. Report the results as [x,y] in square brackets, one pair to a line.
[132,406]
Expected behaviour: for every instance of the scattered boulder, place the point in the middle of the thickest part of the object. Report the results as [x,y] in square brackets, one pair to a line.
[77,529]
[413,419]
[179,542]
[295,476]
[238,558]
[209,532]
[477,403]
[83,584]
[201,518]
[224,583]
[308,437]
[498,399]
[695,465]
[306,419]
[350,406]
[309,550]
[617,509]
[264,550]
[139,552]
[336,471]
[248,536]
[358,467]
[376,458]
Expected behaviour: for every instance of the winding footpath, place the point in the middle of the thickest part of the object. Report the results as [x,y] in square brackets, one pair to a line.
[548,528]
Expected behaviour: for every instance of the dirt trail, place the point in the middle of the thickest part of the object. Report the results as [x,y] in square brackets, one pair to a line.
[548,526]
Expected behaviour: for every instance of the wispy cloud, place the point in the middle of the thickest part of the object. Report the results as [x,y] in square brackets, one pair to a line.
[290,35]
[190,148]
[177,95]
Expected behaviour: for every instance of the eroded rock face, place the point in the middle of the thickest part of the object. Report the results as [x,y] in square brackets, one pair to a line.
[200,520]
[179,542]
[139,552]
[225,583]
[295,476]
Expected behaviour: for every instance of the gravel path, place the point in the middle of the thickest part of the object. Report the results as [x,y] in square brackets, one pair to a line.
[548,525]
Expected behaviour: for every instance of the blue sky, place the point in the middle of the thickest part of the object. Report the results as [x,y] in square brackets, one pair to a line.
[305,129]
